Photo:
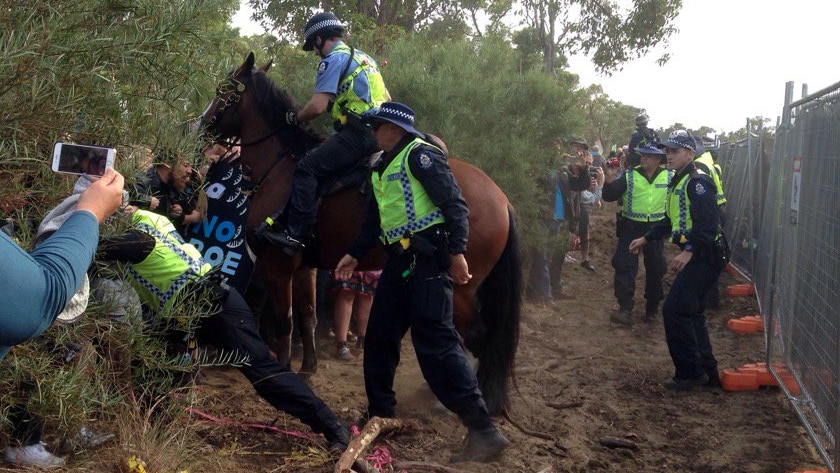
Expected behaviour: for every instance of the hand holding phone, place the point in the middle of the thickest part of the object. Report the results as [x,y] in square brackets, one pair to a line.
[104,196]
[69,158]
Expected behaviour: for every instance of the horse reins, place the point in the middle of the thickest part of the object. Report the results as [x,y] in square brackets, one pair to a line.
[226,101]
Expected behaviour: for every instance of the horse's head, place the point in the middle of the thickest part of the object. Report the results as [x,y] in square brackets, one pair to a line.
[247,94]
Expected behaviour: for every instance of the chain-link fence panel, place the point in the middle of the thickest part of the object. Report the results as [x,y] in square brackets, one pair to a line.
[798,262]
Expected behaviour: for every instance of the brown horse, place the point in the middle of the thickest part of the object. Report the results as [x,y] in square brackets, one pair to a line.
[250,105]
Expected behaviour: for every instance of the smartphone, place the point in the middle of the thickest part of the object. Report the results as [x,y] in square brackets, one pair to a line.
[69,158]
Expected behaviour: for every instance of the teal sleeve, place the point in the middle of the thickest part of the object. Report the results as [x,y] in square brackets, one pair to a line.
[35,287]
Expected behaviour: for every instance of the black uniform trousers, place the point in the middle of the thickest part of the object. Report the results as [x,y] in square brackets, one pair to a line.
[234,329]
[626,265]
[341,152]
[685,324]
[422,301]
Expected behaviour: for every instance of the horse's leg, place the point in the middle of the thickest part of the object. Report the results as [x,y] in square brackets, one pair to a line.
[303,290]
[278,284]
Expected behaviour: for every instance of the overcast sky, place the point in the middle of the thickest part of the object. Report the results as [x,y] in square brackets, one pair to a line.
[730,60]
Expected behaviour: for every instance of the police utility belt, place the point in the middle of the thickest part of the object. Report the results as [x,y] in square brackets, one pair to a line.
[425,243]
[349,119]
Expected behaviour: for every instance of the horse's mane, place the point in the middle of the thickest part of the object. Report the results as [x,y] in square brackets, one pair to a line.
[273,102]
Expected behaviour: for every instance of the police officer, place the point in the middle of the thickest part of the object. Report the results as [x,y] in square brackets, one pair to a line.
[693,221]
[641,136]
[348,84]
[417,211]
[166,272]
[705,162]
[642,192]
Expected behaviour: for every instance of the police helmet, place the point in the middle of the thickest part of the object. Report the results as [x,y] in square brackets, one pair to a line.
[642,120]
[325,25]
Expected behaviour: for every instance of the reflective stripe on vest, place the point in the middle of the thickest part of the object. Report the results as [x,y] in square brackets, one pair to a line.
[346,98]
[171,265]
[404,205]
[644,201]
[707,164]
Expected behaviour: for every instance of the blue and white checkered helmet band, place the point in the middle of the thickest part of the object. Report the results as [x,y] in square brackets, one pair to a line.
[320,25]
[395,114]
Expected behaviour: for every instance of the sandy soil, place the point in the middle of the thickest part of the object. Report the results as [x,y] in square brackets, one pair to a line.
[580,379]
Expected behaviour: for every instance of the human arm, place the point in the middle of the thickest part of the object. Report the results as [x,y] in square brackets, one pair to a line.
[369,234]
[104,196]
[132,247]
[35,287]
[313,109]
[615,189]
[430,167]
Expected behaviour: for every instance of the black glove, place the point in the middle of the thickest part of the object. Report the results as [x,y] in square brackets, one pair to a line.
[292,117]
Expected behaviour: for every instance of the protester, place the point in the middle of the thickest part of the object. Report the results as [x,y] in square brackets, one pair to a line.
[348,84]
[41,283]
[693,222]
[417,211]
[165,188]
[353,299]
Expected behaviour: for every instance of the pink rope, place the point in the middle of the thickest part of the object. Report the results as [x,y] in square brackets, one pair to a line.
[250,425]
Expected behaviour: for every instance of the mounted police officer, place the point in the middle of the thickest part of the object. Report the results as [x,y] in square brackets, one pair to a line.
[693,222]
[642,135]
[167,272]
[641,191]
[348,84]
[417,211]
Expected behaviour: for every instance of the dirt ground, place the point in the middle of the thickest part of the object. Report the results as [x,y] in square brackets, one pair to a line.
[580,379]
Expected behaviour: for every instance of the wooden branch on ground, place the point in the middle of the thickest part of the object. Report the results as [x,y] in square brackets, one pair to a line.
[532,433]
[564,405]
[616,442]
[373,429]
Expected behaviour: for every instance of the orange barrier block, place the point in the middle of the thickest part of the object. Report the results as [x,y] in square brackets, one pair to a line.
[746,324]
[740,290]
[753,375]
[733,380]
[731,270]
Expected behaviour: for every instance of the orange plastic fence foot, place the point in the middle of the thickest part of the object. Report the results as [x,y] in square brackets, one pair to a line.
[754,375]
[740,290]
[731,270]
[746,324]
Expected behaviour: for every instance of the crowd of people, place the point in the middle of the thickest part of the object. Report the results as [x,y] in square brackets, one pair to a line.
[165,271]
[665,189]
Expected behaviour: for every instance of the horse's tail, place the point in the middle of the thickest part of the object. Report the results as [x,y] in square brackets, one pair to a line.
[499,299]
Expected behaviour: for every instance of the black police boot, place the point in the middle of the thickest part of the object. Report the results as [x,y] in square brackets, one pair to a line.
[650,312]
[279,236]
[482,446]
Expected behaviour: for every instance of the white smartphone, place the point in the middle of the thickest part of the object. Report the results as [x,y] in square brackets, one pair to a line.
[69,158]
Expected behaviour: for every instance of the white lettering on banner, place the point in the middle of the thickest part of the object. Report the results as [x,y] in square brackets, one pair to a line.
[215,190]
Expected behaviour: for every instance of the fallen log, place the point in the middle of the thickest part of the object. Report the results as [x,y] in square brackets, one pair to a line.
[616,442]
[375,427]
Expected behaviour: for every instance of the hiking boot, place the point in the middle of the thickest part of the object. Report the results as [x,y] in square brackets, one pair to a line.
[338,439]
[281,237]
[585,264]
[623,317]
[33,455]
[686,384]
[651,313]
[714,380]
[342,351]
[482,446]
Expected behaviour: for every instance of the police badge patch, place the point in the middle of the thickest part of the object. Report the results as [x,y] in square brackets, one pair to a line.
[699,188]
[322,67]
[425,161]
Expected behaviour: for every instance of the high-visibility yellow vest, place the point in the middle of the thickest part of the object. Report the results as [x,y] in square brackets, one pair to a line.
[171,265]
[644,201]
[708,166]
[346,98]
[404,205]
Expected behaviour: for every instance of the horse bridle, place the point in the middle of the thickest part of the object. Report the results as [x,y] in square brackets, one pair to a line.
[229,93]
